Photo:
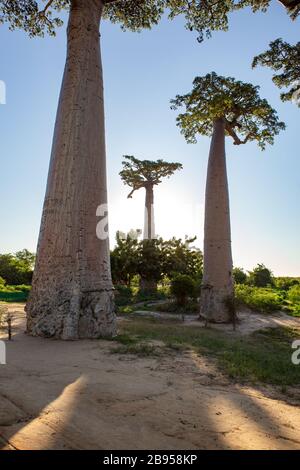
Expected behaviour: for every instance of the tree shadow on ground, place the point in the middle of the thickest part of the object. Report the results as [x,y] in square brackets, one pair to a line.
[78,395]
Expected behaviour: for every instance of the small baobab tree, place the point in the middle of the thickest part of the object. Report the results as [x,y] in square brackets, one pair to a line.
[146,174]
[219,107]
[284,59]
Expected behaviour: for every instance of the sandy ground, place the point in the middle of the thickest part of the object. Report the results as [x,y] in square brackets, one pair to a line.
[77,395]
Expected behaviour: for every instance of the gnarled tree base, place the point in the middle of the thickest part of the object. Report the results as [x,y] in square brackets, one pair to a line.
[217,305]
[70,317]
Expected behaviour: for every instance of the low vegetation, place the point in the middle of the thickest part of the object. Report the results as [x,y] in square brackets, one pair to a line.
[264,356]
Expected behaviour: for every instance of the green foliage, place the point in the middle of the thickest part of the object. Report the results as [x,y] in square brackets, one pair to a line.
[285,283]
[182,287]
[150,258]
[144,173]
[190,307]
[153,260]
[284,59]
[259,299]
[124,262]
[239,275]
[180,256]
[247,117]
[14,293]
[261,277]
[264,356]
[294,294]
[40,17]
[17,268]
[32,16]
[123,295]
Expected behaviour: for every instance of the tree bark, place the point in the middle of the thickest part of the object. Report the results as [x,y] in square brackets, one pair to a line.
[217,289]
[149,226]
[72,294]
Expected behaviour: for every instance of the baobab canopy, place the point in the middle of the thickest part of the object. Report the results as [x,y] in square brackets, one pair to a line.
[140,173]
[284,59]
[247,117]
[38,17]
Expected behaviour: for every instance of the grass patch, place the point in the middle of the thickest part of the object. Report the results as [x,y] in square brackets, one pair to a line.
[191,307]
[264,356]
[138,349]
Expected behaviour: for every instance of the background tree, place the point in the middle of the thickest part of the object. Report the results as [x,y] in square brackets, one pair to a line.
[124,262]
[180,256]
[146,174]
[239,276]
[261,277]
[219,107]
[182,287]
[17,268]
[283,58]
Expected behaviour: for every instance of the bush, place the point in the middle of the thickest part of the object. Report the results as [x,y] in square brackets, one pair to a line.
[259,299]
[123,295]
[261,277]
[239,276]
[191,307]
[14,293]
[285,283]
[182,287]
[294,294]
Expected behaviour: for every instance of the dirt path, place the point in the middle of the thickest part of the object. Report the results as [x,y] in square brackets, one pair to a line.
[77,395]
[247,323]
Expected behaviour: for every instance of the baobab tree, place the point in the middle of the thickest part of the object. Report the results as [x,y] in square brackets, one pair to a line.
[219,107]
[146,174]
[72,293]
[284,59]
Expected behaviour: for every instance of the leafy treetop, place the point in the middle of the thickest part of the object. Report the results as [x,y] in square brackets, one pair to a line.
[203,16]
[144,173]
[247,117]
[285,59]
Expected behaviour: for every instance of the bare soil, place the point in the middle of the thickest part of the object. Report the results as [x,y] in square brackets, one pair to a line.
[77,395]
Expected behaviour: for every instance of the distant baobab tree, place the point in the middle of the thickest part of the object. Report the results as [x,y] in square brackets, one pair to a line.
[146,174]
[219,107]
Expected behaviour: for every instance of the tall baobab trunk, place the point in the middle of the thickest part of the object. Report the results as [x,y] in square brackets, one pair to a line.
[149,226]
[72,293]
[217,289]
[149,285]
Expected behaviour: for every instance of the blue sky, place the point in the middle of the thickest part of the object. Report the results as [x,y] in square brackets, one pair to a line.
[142,72]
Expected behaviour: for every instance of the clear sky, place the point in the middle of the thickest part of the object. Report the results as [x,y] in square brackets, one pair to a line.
[142,73]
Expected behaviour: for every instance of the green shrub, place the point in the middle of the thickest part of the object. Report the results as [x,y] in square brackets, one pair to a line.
[294,294]
[190,307]
[14,293]
[239,276]
[182,287]
[285,283]
[123,295]
[261,277]
[259,299]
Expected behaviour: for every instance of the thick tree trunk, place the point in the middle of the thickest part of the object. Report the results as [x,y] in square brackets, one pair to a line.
[72,294]
[217,289]
[149,226]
